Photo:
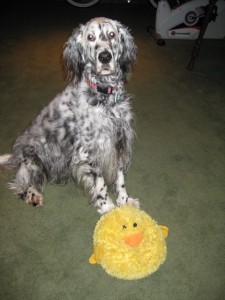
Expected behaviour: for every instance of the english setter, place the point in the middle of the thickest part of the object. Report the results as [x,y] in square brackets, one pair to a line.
[86,131]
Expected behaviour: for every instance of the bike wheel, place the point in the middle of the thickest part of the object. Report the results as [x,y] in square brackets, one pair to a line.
[154,3]
[82,3]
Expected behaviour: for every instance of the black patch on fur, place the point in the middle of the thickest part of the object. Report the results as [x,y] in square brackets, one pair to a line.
[71,140]
[56,115]
[102,37]
[121,141]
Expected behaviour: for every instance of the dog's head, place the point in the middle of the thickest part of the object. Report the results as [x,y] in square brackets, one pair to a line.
[101,47]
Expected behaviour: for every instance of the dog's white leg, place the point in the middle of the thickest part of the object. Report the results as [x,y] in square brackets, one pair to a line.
[95,185]
[122,196]
[102,199]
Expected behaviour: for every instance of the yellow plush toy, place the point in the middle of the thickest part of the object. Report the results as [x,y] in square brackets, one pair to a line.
[128,243]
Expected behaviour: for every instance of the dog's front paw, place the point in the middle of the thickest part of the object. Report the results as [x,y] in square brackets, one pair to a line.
[105,206]
[33,197]
[133,202]
[128,201]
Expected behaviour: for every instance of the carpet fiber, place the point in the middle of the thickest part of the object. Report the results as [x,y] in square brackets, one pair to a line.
[177,169]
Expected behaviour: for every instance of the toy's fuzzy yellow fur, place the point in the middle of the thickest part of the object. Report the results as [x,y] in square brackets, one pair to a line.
[128,243]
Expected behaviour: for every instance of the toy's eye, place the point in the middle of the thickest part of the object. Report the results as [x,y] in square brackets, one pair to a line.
[91,37]
[111,35]
[124,227]
[135,225]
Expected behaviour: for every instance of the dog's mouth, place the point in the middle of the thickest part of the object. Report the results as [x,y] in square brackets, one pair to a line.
[105,70]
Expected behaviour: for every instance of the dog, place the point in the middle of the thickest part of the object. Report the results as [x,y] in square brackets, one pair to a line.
[86,132]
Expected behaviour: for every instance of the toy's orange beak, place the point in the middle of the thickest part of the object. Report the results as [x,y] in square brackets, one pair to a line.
[134,239]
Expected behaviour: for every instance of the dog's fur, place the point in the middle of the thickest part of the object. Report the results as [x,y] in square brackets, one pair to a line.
[86,131]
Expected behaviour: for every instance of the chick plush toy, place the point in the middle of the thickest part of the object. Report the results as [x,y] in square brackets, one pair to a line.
[128,243]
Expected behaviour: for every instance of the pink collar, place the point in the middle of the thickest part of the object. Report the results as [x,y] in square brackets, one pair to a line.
[108,90]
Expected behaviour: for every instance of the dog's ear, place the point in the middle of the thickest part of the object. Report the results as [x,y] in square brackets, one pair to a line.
[127,50]
[73,56]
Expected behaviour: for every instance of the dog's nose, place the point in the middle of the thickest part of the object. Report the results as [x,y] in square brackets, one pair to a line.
[105,57]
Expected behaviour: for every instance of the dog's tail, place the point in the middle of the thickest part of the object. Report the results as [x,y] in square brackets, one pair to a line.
[6,161]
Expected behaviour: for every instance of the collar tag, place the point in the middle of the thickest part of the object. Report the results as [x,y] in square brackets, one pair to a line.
[105,90]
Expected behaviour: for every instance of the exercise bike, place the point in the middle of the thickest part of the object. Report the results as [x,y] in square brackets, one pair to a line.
[184,19]
[87,3]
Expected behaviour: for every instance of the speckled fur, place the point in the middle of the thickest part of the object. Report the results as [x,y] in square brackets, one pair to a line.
[83,133]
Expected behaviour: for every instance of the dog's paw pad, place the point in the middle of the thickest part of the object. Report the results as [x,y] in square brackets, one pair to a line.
[33,197]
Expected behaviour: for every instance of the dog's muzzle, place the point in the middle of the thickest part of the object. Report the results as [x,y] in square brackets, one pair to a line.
[105,64]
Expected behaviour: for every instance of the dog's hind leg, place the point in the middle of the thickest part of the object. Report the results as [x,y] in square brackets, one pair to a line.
[29,182]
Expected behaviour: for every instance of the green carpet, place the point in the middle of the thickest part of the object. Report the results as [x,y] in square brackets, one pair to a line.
[177,169]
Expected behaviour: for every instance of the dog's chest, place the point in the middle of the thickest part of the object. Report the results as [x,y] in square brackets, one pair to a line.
[99,127]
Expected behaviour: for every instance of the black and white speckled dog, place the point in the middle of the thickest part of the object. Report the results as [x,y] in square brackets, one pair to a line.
[86,131]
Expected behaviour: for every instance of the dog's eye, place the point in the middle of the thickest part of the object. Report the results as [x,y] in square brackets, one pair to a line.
[91,37]
[111,35]
[124,227]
